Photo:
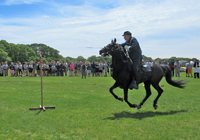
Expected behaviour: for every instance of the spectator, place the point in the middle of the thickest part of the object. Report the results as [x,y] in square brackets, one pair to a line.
[148,65]
[47,69]
[66,68]
[53,67]
[38,68]
[30,68]
[79,67]
[2,70]
[23,66]
[25,69]
[50,68]
[162,63]
[20,68]
[62,69]
[100,68]
[44,68]
[83,69]
[16,69]
[188,69]
[93,68]
[177,68]
[196,69]
[97,69]
[12,69]
[106,68]
[58,68]
[71,68]
[76,68]
[89,69]
[171,64]
[5,69]
[34,68]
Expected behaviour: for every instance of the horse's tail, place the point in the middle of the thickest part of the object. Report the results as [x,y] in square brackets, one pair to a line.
[168,77]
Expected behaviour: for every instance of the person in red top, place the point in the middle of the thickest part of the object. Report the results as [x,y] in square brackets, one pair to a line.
[71,68]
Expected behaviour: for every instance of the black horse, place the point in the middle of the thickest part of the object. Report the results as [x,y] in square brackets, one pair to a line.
[123,77]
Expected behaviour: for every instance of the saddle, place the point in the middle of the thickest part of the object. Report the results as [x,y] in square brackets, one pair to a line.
[146,72]
[146,68]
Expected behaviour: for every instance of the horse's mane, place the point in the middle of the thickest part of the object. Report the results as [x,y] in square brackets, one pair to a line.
[120,50]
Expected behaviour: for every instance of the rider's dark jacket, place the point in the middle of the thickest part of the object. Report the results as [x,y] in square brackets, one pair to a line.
[135,52]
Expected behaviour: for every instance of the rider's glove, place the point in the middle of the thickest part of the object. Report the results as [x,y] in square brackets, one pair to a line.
[127,47]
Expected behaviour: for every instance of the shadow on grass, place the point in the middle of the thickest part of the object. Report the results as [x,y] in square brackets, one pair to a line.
[38,112]
[142,115]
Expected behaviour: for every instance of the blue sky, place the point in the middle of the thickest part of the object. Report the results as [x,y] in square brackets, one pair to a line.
[164,28]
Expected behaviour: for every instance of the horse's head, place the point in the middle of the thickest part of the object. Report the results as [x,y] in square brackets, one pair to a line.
[109,49]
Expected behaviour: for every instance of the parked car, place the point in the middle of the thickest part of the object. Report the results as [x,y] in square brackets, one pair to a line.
[182,69]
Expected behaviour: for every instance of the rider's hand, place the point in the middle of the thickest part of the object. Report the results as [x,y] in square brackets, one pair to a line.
[127,47]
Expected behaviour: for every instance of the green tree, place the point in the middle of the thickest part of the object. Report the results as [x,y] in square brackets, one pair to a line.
[92,58]
[3,55]
[2,46]
[44,59]
[101,58]
[70,59]
[9,60]
[80,58]
[33,58]
[5,45]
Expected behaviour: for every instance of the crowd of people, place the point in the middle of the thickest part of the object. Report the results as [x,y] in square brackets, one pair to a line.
[176,66]
[55,69]
[83,68]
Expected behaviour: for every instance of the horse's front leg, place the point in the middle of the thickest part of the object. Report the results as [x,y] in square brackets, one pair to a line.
[111,91]
[126,98]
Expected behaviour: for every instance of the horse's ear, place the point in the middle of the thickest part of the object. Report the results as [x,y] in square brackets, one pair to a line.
[115,40]
[111,41]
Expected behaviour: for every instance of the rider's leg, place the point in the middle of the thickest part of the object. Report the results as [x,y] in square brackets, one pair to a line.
[136,77]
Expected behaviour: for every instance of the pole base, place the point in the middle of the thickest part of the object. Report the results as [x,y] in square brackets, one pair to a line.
[43,108]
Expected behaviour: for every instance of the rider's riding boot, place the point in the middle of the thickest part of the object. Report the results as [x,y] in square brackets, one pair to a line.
[135,82]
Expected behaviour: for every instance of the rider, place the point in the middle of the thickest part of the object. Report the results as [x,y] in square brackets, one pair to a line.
[133,48]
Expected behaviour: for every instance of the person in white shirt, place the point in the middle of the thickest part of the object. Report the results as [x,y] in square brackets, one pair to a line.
[188,69]
[196,69]
[177,68]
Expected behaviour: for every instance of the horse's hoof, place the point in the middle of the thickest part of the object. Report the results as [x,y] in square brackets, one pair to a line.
[138,107]
[121,99]
[134,106]
[155,106]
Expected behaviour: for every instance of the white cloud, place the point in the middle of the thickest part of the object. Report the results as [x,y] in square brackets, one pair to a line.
[88,26]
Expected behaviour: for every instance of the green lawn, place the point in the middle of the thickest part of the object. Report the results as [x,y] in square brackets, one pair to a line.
[86,110]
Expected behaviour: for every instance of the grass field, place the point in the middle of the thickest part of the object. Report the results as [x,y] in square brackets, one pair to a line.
[86,110]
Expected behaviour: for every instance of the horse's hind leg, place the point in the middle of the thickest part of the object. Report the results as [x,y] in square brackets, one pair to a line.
[160,91]
[111,91]
[148,93]
[126,98]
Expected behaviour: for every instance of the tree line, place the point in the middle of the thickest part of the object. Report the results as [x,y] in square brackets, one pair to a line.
[25,53]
